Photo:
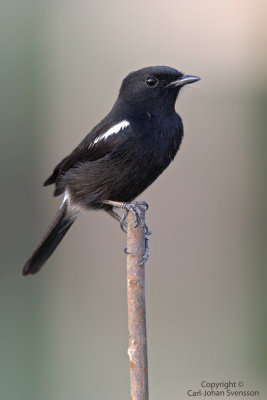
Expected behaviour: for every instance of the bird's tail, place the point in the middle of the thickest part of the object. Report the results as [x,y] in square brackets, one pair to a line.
[57,230]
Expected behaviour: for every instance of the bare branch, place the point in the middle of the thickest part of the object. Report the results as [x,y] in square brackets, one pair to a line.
[136,254]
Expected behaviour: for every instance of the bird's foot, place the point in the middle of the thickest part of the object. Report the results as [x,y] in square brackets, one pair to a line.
[135,209]
[146,255]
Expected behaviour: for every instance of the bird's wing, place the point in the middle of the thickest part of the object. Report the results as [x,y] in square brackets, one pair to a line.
[102,140]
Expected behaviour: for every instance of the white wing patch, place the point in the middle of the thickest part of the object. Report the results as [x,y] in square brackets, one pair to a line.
[112,131]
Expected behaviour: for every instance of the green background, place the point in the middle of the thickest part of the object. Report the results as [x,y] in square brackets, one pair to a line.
[63,333]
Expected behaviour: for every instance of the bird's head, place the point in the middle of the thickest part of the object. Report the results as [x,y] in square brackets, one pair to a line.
[154,87]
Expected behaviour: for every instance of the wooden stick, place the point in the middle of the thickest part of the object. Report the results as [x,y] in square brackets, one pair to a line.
[136,251]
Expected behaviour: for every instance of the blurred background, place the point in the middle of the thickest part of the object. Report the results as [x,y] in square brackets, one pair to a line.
[64,332]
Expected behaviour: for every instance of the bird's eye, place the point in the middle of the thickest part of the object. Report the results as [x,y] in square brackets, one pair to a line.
[151,81]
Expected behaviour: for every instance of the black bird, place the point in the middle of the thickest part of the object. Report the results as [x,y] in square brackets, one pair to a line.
[120,157]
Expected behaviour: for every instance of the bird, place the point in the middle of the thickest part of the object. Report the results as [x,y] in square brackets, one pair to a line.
[120,157]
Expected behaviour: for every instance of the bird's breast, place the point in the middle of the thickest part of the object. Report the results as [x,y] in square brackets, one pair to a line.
[161,139]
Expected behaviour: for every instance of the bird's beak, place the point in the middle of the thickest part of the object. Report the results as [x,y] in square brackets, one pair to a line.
[184,80]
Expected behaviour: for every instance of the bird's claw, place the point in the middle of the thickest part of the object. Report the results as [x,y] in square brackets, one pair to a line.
[142,203]
[146,255]
[135,209]
[123,222]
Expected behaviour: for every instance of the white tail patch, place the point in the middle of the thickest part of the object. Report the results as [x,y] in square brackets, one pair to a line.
[115,129]
[66,198]
[72,208]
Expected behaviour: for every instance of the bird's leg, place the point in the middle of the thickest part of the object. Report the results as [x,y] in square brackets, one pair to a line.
[114,215]
[134,208]
[120,219]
